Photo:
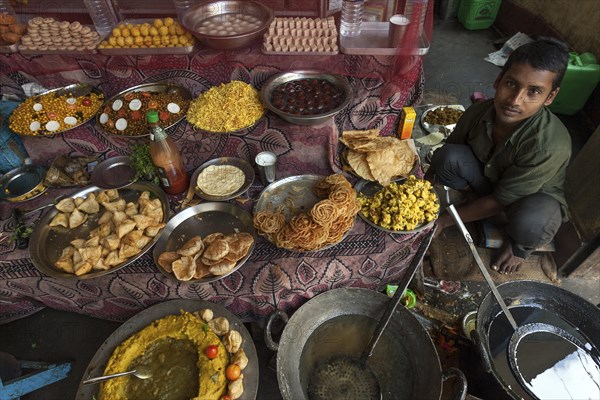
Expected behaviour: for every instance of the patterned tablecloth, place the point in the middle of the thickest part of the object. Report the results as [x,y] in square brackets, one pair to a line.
[271,277]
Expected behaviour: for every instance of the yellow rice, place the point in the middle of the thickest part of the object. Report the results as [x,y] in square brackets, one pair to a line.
[228,107]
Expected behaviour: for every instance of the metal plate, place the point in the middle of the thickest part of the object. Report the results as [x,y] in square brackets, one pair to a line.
[76,90]
[369,189]
[147,87]
[23,183]
[348,167]
[432,128]
[236,162]
[341,82]
[114,173]
[146,51]
[291,196]
[204,219]
[146,317]
[46,242]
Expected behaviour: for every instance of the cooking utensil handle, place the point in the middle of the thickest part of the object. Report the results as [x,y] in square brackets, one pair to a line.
[106,377]
[395,301]
[482,267]
[457,373]
[485,358]
[268,336]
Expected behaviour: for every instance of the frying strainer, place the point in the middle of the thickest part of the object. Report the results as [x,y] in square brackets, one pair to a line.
[346,377]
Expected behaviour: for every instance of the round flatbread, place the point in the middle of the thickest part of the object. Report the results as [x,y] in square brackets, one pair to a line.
[220,180]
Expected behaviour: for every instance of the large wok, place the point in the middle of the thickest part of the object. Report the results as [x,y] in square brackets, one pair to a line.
[340,322]
[559,307]
[146,317]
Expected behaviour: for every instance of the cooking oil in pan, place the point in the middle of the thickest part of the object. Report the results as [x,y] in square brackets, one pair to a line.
[500,332]
[341,341]
[552,367]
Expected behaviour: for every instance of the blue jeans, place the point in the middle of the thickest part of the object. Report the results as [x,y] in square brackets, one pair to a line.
[531,221]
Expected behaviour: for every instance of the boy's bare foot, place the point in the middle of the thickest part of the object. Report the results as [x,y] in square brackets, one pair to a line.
[506,262]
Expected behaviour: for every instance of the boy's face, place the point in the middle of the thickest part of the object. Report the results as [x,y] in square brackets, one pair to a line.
[521,92]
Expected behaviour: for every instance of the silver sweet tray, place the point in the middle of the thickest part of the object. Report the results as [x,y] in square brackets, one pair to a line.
[46,242]
[202,220]
[236,162]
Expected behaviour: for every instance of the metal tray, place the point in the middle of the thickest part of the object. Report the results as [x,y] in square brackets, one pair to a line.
[147,87]
[373,40]
[432,128]
[148,316]
[204,219]
[291,196]
[146,51]
[75,89]
[27,51]
[369,188]
[23,183]
[7,49]
[46,242]
[114,173]
[236,162]
[348,167]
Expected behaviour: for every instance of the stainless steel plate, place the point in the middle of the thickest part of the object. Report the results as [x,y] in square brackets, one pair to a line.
[291,196]
[146,317]
[236,162]
[46,242]
[114,173]
[75,90]
[204,219]
[152,88]
[146,51]
[369,189]
[431,128]
[348,167]
[23,183]
[339,81]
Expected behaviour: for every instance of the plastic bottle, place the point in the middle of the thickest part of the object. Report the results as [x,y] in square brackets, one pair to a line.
[165,155]
[102,15]
[181,7]
[351,21]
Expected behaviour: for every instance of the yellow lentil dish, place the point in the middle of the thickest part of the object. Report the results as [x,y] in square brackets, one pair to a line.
[401,206]
[228,107]
[51,113]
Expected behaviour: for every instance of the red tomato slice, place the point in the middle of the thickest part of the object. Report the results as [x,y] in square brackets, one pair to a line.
[136,115]
[163,115]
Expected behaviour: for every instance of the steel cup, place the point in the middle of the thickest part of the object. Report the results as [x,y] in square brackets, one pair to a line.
[398,25]
[265,162]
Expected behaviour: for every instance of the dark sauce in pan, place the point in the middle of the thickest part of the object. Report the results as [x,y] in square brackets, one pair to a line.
[307,96]
[543,353]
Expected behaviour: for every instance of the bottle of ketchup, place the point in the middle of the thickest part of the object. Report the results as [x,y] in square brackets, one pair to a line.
[165,155]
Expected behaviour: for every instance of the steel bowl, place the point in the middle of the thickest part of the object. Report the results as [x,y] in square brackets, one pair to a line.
[23,183]
[227,25]
[339,81]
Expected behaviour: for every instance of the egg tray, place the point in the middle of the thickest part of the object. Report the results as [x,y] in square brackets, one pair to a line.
[301,36]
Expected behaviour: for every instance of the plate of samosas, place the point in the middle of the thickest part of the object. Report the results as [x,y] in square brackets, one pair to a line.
[205,243]
[94,232]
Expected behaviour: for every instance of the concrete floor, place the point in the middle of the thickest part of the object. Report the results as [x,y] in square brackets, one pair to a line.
[454,67]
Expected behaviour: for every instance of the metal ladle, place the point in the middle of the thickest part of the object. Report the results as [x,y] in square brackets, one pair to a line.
[140,372]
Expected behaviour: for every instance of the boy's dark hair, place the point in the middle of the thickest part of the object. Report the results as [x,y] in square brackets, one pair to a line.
[544,54]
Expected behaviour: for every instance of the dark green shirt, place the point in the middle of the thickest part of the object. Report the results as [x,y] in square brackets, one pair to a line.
[533,159]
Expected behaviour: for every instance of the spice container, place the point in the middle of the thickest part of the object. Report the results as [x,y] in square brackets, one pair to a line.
[407,122]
